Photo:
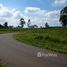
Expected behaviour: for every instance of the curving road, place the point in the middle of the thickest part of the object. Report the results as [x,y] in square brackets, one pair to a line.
[17,54]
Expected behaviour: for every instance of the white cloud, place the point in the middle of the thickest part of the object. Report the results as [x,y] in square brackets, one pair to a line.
[12,16]
[40,16]
[37,16]
[59,2]
[54,14]
[32,10]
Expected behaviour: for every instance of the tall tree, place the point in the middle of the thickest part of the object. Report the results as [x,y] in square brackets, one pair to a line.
[46,25]
[63,16]
[5,24]
[1,26]
[29,22]
[22,22]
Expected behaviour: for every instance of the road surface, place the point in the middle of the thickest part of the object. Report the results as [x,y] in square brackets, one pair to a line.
[17,54]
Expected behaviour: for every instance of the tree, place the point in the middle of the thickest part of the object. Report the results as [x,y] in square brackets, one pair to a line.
[11,27]
[5,24]
[41,27]
[29,22]
[1,26]
[22,22]
[35,26]
[46,25]
[63,16]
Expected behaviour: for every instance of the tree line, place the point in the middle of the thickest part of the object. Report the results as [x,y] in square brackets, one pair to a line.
[5,25]
[62,19]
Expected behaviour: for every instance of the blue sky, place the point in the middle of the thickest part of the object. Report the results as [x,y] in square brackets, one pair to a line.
[41,10]
[21,4]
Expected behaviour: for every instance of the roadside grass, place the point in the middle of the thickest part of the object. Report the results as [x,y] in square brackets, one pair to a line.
[2,65]
[52,38]
[7,30]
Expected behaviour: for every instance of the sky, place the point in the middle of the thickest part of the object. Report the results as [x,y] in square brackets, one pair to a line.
[38,11]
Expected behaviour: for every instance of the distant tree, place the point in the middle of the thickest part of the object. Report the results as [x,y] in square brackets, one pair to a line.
[46,25]
[63,16]
[31,26]
[35,26]
[11,27]
[41,27]
[18,27]
[5,24]
[1,26]
[22,22]
[29,22]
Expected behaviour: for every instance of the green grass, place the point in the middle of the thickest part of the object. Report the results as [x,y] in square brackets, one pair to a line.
[53,38]
[7,30]
[2,65]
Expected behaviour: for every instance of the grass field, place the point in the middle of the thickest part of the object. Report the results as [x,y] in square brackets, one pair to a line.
[52,38]
[7,30]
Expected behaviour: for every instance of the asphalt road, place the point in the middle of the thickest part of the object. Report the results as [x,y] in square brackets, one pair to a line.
[17,54]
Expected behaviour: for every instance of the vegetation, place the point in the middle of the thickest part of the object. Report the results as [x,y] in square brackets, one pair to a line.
[22,22]
[31,26]
[46,25]
[63,16]
[5,25]
[1,65]
[11,30]
[50,38]
[28,24]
